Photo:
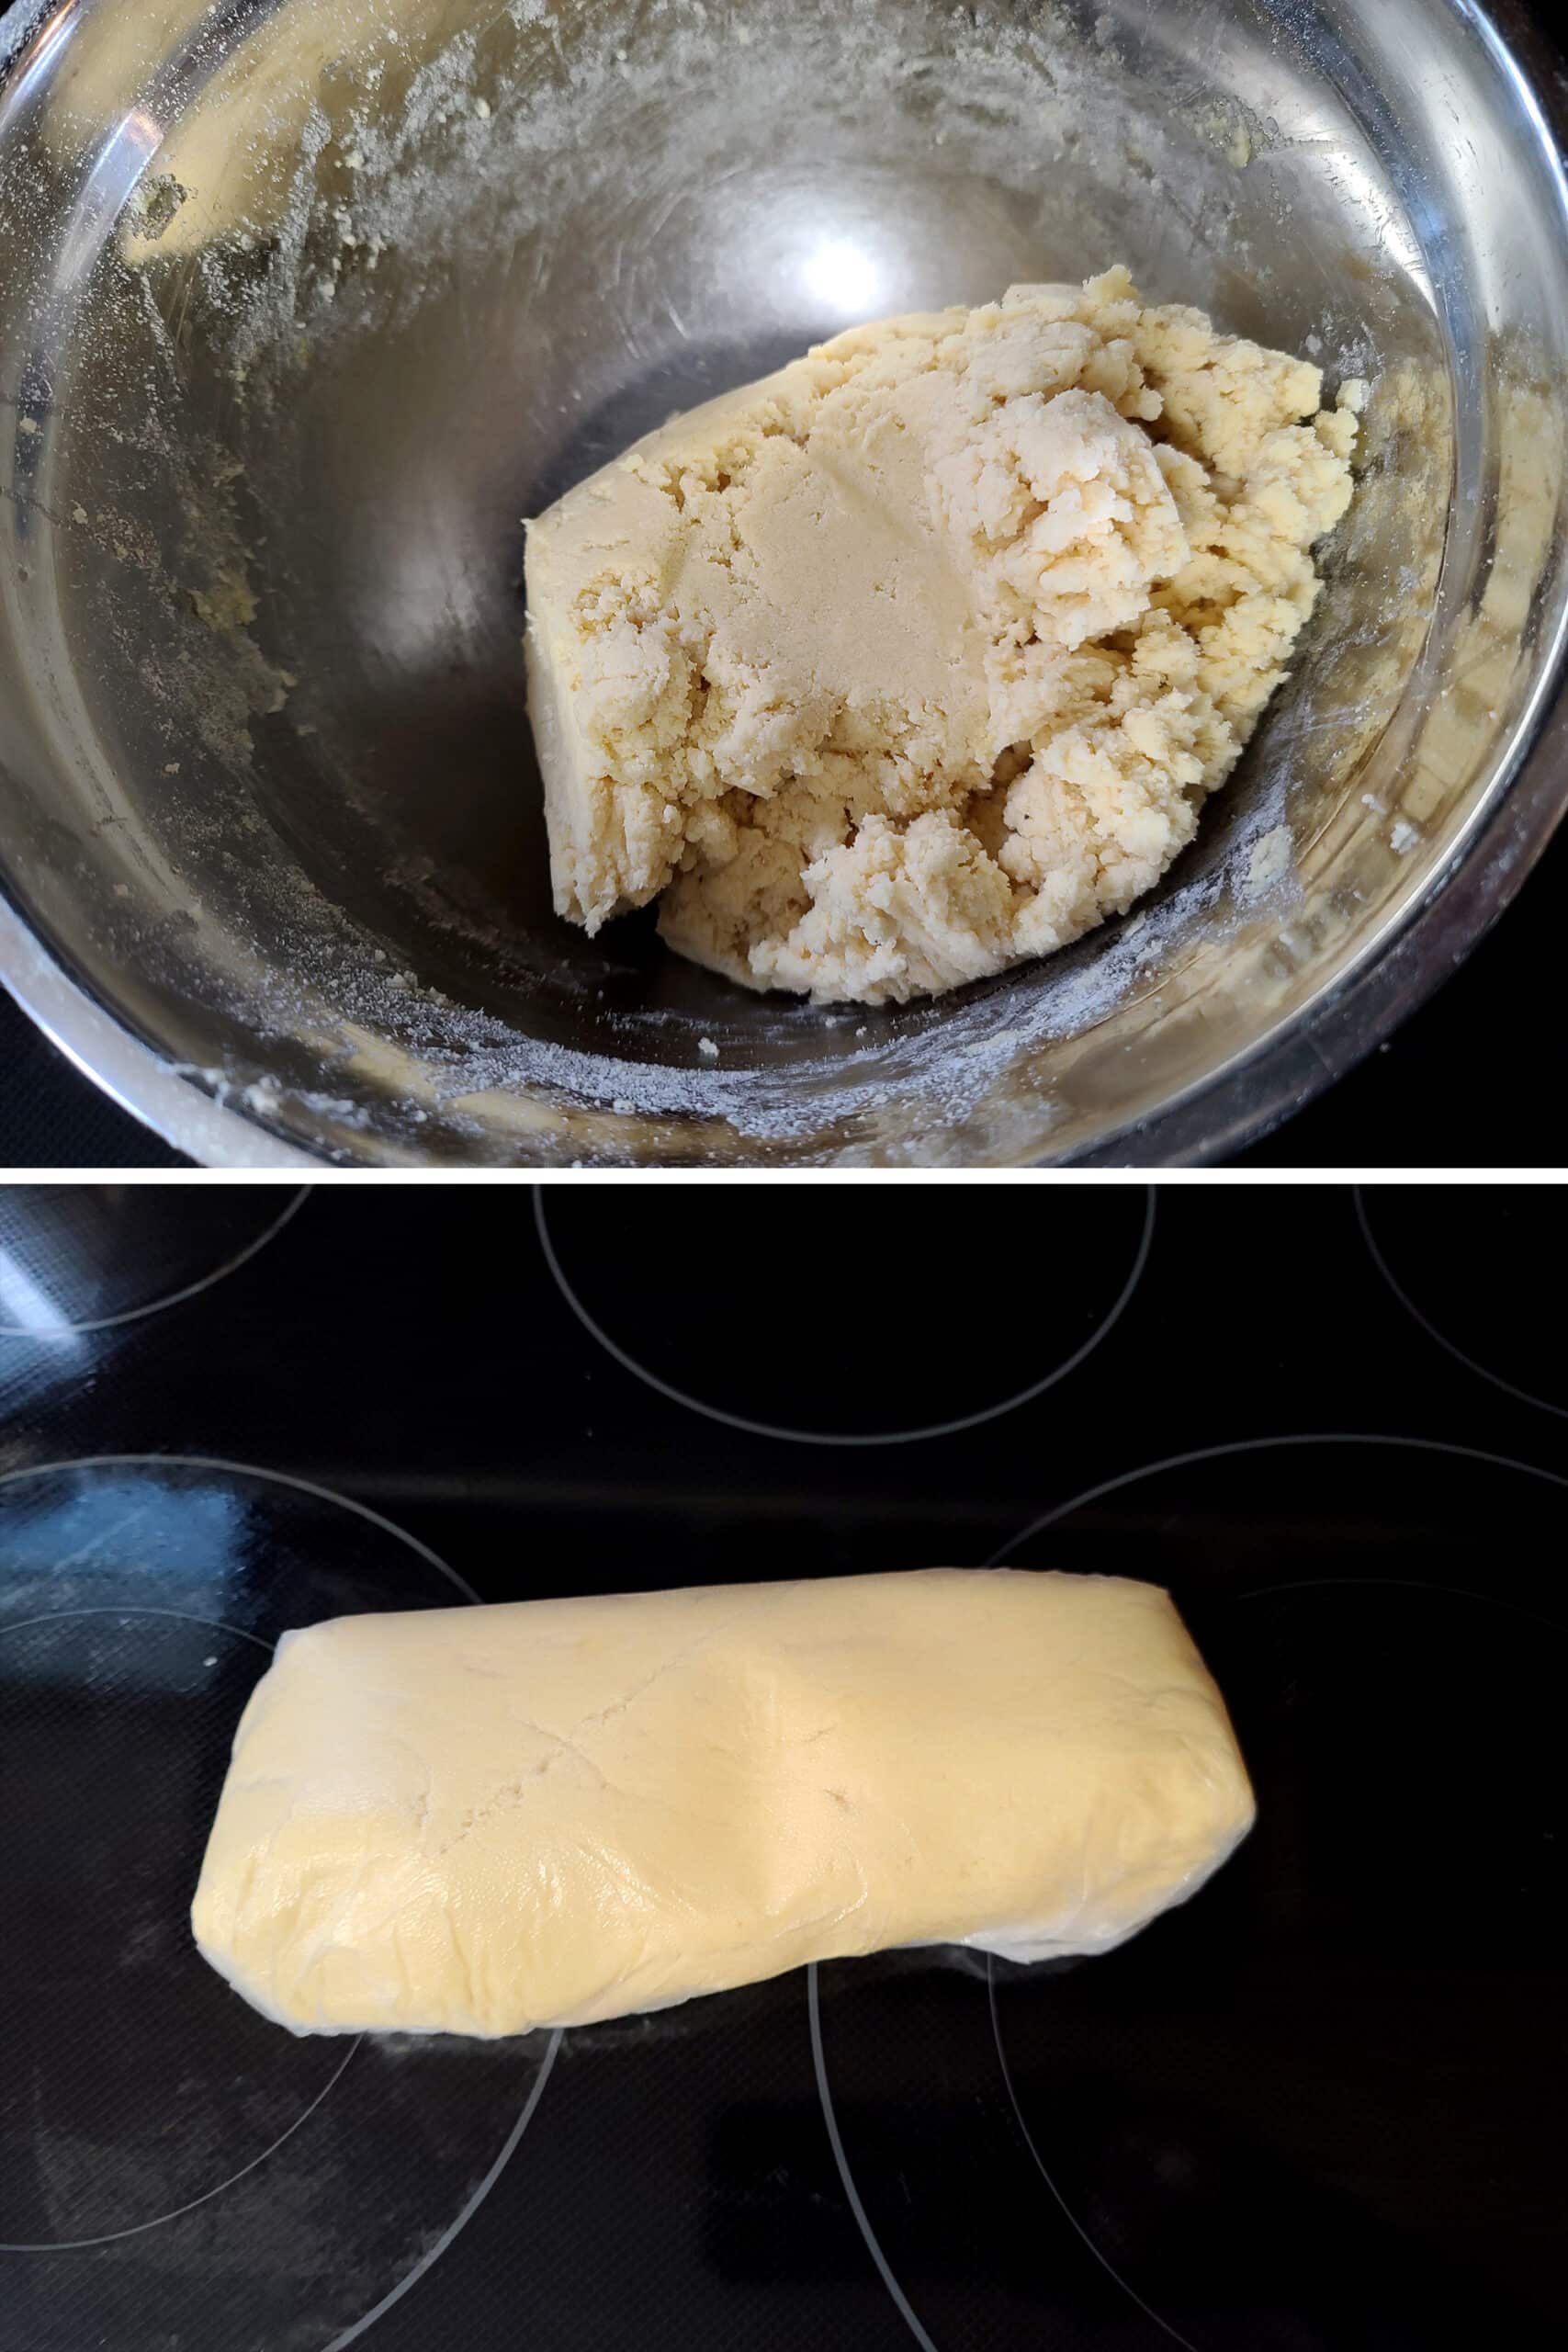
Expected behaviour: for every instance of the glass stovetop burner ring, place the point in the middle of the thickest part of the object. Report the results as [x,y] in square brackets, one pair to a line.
[863,1331]
[81,1257]
[1316,2107]
[1498,1301]
[173,2167]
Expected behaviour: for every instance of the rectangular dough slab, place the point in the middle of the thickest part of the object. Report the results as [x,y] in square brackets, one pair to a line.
[481,1820]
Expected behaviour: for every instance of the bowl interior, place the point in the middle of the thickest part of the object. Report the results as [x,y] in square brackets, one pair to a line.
[330,296]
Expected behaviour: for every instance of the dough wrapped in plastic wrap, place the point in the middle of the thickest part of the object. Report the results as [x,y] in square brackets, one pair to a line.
[483,1820]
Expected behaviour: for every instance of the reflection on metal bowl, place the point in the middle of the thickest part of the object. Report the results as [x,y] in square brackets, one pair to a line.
[305,303]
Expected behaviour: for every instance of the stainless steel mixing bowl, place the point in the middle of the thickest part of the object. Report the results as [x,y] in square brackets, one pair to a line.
[305,303]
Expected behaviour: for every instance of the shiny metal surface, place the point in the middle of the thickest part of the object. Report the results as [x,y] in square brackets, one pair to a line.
[304,303]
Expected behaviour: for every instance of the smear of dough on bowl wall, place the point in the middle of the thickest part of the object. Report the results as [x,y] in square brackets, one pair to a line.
[227,166]
[921,657]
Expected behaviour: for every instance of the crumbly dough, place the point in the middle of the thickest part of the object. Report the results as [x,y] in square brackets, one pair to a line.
[922,656]
[481,1820]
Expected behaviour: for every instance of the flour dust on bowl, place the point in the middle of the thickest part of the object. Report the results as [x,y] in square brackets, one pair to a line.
[304,304]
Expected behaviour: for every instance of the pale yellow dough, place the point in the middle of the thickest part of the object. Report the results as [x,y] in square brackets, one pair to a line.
[478,1821]
[922,656]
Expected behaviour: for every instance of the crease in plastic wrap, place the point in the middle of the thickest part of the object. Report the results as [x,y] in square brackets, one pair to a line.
[554,1813]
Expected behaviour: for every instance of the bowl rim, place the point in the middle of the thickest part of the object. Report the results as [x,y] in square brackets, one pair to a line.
[1281,1073]
[1287,1070]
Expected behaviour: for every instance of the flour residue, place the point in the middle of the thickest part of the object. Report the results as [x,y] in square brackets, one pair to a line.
[363,186]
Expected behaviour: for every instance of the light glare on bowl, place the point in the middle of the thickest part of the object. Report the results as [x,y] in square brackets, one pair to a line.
[841,277]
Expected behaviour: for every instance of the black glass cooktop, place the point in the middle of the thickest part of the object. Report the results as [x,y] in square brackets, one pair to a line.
[1319,2110]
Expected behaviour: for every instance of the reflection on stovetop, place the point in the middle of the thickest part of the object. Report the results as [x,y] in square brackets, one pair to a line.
[79,1258]
[1315,2109]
